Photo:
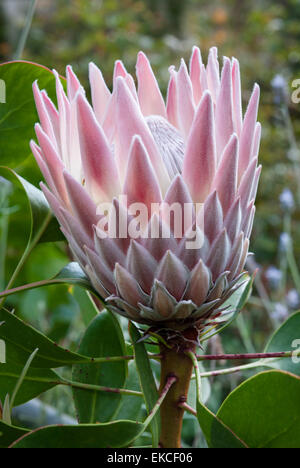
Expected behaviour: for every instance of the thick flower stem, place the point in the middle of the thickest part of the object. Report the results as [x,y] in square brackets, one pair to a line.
[177,364]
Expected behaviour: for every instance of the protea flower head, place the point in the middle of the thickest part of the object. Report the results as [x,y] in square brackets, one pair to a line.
[130,147]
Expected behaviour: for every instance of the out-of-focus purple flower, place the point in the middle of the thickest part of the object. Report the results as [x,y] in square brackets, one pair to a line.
[280,312]
[293,299]
[286,199]
[280,90]
[285,242]
[274,277]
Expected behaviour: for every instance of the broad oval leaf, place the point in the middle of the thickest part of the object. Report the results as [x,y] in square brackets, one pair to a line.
[265,410]
[9,434]
[286,338]
[217,434]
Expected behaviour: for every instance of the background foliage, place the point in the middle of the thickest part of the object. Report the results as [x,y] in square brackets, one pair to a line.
[264,35]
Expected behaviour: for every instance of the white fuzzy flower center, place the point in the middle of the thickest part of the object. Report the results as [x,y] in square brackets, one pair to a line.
[169,142]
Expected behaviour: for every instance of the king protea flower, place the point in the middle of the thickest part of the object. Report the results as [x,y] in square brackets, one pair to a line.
[197,148]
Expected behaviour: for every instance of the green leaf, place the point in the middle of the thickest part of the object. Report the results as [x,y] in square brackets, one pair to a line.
[33,218]
[18,115]
[215,431]
[21,378]
[87,306]
[38,207]
[6,413]
[130,407]
[286,338]
[37,381]
[265,410]
[205,390]
[9,434]
[108,435]
[217,434]
[22,339]
[103,338]
[147,380]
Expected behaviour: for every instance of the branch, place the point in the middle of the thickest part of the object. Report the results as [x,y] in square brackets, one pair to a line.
[233,370]
[187,408]
[122,358]
[230,357]
[170,381]
[122,391]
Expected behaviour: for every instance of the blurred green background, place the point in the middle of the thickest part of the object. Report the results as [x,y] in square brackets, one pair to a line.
[265,36]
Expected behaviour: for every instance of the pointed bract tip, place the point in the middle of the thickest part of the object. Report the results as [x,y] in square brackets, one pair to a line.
[234,139]
[120,83]
[136,142]
[213,51]
[120,69]
[142,58]
[182,65]
[93,68]
[206,99]
[35,85]
[80,99]
[34,146]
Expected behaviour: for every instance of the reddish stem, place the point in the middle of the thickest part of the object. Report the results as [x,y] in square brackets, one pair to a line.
[231,357]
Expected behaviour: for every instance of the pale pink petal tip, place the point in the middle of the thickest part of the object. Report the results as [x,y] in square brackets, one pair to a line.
[99,167]
[73,83]
[144,189]
[186,107]
[200,160]
[150,98]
